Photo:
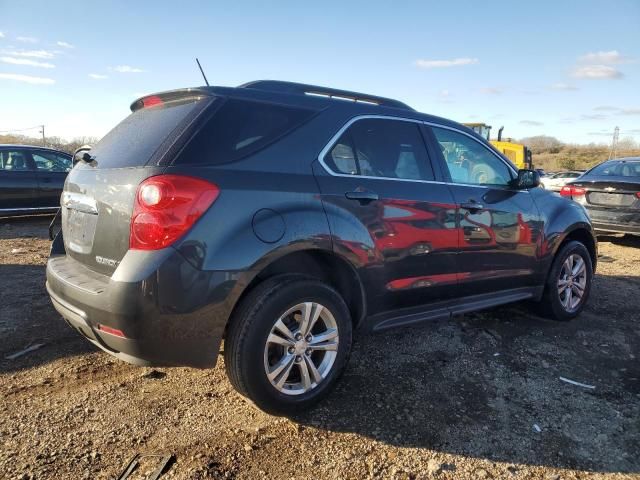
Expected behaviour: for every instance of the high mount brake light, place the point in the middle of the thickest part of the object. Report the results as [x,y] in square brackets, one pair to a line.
[151,101]
[571,191]
[165,207]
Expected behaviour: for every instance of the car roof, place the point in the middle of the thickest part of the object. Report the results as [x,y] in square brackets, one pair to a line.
[35,147]
[314,96]
[624,159]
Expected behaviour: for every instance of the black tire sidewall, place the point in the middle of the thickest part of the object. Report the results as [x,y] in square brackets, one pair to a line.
[259,388]
[553,297]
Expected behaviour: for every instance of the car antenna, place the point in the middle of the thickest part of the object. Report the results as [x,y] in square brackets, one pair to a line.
[202,71]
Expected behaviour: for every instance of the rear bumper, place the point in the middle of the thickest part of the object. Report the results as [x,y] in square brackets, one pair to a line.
[616,228]
[171,313]
[614,220]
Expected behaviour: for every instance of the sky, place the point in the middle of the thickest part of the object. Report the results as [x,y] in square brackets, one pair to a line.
[570,69]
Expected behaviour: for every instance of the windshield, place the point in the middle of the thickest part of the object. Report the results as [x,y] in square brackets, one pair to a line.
[617,168]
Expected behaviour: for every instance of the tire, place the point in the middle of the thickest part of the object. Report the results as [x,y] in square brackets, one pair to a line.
[554,305]
[249,355]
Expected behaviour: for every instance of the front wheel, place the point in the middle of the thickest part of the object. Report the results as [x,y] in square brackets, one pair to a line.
[288,343]
[569,283]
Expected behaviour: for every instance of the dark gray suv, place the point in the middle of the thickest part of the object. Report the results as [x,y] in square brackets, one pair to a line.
[282,217]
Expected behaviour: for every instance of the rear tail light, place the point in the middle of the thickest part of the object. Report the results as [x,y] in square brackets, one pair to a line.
[165,207]
[638,194]
[571,191]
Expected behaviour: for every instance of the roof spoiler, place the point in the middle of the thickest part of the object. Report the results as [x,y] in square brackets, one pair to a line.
[183,94]
[304,89]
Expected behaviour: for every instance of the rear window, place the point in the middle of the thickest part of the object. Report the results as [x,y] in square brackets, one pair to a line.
[617,169]
[239,128]
[134,141]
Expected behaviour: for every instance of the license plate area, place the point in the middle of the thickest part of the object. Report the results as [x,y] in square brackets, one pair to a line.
[611,199]
[80,230]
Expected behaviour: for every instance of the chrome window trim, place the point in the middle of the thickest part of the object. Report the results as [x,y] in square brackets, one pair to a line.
[353,120]
[27,209]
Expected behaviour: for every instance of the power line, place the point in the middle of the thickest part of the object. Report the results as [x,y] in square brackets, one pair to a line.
[20,129]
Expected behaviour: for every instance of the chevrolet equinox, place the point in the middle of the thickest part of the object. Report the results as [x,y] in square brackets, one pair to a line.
[284,217]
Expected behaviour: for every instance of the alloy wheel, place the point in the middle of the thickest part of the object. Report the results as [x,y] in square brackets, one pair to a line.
[301,348]
[572,282]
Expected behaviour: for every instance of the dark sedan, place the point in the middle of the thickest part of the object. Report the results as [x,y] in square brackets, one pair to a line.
[611,194]
[31,179]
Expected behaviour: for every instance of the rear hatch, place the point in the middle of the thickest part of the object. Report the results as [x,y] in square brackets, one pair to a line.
[99,193]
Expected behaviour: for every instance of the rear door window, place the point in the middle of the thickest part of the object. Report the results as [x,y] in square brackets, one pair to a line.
[238,129]
[15,161]
[135,140]
[381,148]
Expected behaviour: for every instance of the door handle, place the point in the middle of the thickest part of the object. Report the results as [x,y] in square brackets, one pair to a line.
[472,206]
[362,196]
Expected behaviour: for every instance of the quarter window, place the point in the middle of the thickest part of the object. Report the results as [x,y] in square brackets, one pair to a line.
[470,162]
[381,148]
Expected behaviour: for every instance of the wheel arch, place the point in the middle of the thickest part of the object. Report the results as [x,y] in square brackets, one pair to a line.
[583,234]
[324,265]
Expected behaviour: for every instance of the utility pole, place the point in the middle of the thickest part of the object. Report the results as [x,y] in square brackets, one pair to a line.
[44,142]
[614,144]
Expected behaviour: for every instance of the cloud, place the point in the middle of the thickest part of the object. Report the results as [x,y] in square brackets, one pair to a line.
[492,90]
[97,76]
[606,108]
[30,53]
[597,72]
[612,57]
[127,69]
[630,111]
[27,62]
[27,39]
[27,79]
[594,116]
[563,86]
[531,123]
[456,62]
[64,44]
[1,35]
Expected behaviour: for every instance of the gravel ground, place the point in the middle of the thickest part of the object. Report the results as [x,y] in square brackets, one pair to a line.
[475,397]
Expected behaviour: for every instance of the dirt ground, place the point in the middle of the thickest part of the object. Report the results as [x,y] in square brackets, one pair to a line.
[475,397]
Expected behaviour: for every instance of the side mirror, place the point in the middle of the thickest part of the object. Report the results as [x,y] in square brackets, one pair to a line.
[527,179]
[80,153]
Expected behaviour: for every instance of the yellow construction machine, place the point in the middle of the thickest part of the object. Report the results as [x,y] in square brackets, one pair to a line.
[519,154]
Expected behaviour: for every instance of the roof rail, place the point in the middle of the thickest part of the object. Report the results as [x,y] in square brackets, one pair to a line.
[303,89]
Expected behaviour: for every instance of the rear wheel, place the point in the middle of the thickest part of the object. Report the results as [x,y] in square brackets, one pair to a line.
[288,343]
[569,283]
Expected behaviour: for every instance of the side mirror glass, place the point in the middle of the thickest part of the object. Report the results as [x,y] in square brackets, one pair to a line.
[527,179]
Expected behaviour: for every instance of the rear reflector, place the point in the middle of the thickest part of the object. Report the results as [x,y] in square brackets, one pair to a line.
[165,207]
[111,331]
[571,191]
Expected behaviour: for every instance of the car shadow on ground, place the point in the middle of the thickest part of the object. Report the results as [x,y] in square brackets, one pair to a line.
[488,385]
[27,318]
[621,240]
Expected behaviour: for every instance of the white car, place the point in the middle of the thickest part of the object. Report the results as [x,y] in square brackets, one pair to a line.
[557,181]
